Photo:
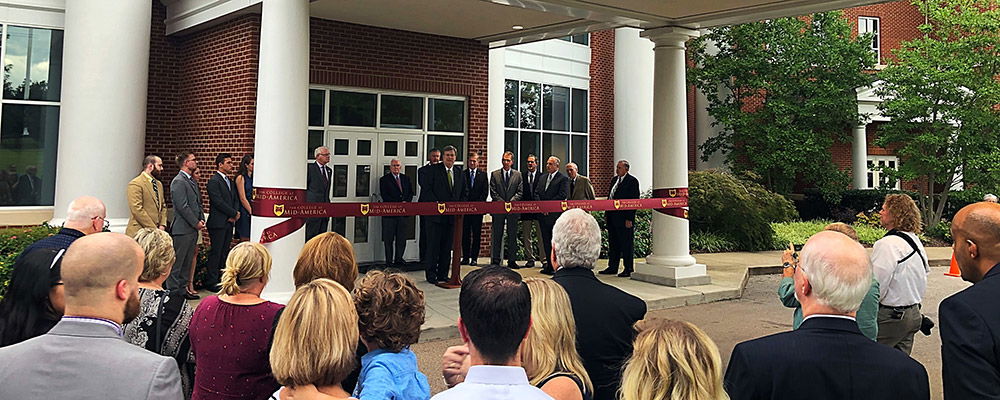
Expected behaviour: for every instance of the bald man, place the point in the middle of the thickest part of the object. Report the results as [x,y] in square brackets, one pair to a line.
[83,356]
[827,357]
[85,215]
[970,319]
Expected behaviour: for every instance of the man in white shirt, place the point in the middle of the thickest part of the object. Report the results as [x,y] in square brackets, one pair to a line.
[494,309]
[900,265]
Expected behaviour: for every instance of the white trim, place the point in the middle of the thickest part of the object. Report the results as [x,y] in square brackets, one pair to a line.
[876,173]
[875,28]
[49,14]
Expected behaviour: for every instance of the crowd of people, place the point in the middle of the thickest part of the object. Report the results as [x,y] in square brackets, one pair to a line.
[92,313]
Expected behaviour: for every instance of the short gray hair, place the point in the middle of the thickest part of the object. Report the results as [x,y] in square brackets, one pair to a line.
[319,150]
[84,209]
[573,164]
[838,269]
[624,161]
[558,161]
[990,197]
[577,239]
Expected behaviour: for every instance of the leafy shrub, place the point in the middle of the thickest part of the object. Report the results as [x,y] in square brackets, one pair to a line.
[940,231]
[643,232]
[738,210]
[871,219]
[814,206]
[705,242]
[12,242]
[961,198]
[799,232]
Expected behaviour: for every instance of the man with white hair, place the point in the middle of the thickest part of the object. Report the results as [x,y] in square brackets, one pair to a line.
[605,315]
[827,357]
[85,215]
[990,198]
[318,180]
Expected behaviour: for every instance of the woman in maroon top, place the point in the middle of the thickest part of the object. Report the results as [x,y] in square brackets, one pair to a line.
[230,333]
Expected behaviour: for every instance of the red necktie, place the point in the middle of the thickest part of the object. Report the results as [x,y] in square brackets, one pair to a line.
[399,185]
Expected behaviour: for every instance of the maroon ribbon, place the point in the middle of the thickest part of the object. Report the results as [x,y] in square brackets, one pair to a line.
[289,203]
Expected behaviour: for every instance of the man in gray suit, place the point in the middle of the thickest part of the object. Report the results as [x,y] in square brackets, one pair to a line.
[84,356]
[189,221]
[505,185]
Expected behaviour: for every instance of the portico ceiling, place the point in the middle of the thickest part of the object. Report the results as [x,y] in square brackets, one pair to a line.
[507,22]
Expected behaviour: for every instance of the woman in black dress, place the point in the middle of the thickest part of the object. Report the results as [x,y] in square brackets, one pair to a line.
[244,186]
[33,302]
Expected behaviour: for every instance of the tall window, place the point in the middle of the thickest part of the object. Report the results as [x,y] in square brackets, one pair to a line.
[29,115]
[545,120]
[877,176]
[870,25]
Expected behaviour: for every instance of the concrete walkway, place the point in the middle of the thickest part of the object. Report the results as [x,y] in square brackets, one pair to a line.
[729,273]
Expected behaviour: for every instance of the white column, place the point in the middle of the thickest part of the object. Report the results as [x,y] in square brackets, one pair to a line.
[670,262]
[102,120]
[859,158]
[282,121]
[495,107]
[633,104]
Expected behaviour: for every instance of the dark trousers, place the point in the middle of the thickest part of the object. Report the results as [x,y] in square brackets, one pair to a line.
[422,243]
[221,239]
[547,221]
[621,243]
[316,226]
[394,239]
[184,254]
[440,235]
[472,233]
[501,221]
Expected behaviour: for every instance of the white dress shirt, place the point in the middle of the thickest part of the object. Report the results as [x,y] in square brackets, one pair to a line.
[900,284]
[490,382]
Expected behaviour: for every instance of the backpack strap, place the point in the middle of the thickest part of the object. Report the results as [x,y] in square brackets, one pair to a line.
[909,241]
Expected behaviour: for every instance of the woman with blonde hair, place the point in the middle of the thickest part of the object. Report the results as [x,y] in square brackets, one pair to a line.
[899,262]
[230,332]
[673,360]
[327,255]
[308,369]
[548,354]
[164,317]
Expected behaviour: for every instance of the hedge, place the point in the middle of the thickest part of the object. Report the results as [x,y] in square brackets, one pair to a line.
[12,242]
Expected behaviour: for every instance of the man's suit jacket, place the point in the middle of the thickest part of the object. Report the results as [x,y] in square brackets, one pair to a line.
[85,360]
[604,316]
[581,189]
[627,189]
[826,358]
[558,188]
[528,191]
[479,188]
[318,187]
[512,192]
[423,177]
[186,197]
[970,340]
[438,191]
[145,205]
[223,202]
[391,193]
[29,190]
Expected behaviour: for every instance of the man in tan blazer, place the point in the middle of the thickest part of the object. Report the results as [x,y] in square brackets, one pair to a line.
[579,185]
[145,198]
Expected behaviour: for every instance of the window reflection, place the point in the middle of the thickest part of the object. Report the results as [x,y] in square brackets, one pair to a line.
[32,64]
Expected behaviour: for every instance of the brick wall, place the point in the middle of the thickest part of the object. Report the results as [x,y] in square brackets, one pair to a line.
[898,22]
[601,163]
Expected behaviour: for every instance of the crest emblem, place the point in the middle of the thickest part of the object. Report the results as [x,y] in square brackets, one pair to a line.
[253,195]
[279,209]
[618,204]
[364,209]
[685,213]
[564,205]
[507,206]
[441,208]
[663,202]
[673,192]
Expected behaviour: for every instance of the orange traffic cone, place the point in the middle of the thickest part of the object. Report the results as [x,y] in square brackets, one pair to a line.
[953,271]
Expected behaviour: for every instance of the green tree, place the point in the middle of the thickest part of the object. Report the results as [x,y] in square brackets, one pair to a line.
[942,94]
[783,91]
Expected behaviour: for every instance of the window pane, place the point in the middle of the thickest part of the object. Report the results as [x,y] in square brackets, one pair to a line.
[446,115]
[352,109]
[439,141]
[402,112]
[411,171]
[579,149]
[28,142]
[531,144]
[390,148]
[339,181]
[510,144]
[363,180]
[530,105]
[579,110]
[316,107]
[583,38]
[411,149]
[555,144]
[555,108]
[341,147]
[510,104]
[364,147]
[33,64]
[315,140]
[340,225]
[360,229]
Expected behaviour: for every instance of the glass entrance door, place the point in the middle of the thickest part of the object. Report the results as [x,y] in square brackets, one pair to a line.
[353,158]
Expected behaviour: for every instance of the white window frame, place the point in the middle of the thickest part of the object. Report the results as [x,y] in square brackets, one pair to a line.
[872,25]
[541,132]
[877,175]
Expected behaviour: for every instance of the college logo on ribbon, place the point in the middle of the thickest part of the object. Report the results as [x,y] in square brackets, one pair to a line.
[685,214]
[441,208]
[253,194]
[663,202]
[564,205]
[364,209]
[618,204]
[279,209]
[507,206]
[673,192]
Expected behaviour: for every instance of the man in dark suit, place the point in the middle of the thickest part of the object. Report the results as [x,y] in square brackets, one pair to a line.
[827,357]
[318,178]
[433,157]
[395,187]
[472,224]
[621,224]
[444,184]
[554,185]
[505,185]
[188,222]
[531,233]
[604,314]
[970,319]
[223,211]
[29,188]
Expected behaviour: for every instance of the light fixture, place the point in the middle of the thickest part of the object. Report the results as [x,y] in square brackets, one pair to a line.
[517,27]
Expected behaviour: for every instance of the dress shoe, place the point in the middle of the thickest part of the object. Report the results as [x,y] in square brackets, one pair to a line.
[191,296]
[473,263]
[608,271]
[625,274]
[547,271]
[529,264]
[513,265]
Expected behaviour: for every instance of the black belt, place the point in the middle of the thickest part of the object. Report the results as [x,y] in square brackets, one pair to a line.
[898,307]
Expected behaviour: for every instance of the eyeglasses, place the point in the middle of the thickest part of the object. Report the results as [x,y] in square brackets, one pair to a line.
[106,223]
